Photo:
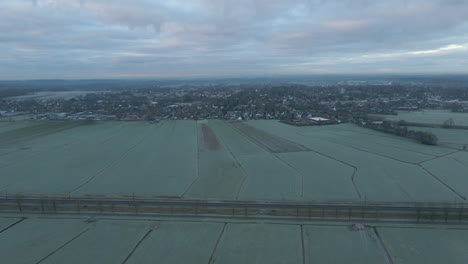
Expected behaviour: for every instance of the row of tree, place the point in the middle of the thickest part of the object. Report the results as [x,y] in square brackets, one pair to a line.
[425,137]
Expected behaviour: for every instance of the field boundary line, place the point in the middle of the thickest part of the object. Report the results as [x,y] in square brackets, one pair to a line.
[62,246]
[442,156]
[419,164]
[458,161]
[397,182]
[442,182]
[383,246]
[383,136]
[197,163]
[303,246]
[378,143]
[375,135]
[236,159]
[111,163]
[373,153]
[137,245]
[301,176]
[212,260]
[353,176]
[12,225]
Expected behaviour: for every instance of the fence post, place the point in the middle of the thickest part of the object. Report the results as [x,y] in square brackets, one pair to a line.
[18,201]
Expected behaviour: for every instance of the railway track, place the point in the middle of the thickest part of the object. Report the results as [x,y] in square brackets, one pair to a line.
[414,212]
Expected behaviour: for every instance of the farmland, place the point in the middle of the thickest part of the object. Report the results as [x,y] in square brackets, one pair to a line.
[437,117]
[79,240]
[450,138]
[220,160]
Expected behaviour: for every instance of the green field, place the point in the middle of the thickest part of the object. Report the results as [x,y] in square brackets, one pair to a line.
[219,160]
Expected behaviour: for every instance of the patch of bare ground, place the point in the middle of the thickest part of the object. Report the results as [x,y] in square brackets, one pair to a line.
[210,139]
[267,141]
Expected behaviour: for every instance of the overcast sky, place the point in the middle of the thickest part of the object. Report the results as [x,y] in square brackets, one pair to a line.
[149,38]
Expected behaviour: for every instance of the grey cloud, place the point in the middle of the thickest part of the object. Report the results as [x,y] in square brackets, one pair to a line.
[82,37]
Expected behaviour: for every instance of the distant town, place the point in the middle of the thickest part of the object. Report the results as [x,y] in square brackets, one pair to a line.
[300,104]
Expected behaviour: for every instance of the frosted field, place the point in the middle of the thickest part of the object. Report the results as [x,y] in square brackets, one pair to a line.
[451,138]
[218,160]
[436,245]
[437,117]
[41,240]
[354,246]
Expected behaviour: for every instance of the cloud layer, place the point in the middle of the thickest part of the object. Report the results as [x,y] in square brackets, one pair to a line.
[108,38]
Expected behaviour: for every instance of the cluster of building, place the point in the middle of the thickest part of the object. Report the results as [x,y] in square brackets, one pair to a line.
[290,103]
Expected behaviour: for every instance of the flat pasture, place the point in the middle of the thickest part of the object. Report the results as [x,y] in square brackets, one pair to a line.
[101,242]
[178,242]
[437,117]
[254,243]
[32,241]
[118,240]
[449,138]
[6,222]
[321,243]
[219,160]
[268,141]
[220,175]
[378,175]
[451,171]
[267,177]
[426,245]
[159,160]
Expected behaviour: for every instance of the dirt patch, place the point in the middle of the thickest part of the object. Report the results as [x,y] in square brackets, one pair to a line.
[268,141]
[210,140]
[36,130]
